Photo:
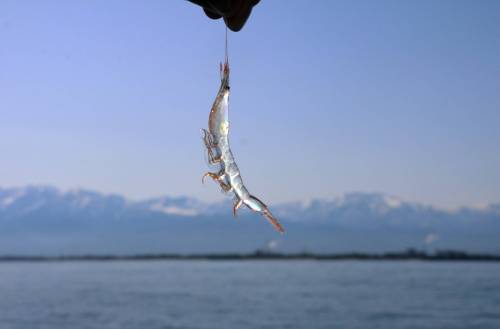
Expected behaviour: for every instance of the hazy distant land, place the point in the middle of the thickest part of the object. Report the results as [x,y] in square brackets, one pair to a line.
[410,254]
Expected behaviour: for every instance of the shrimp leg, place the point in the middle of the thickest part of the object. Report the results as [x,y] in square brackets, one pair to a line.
[210,145]
[236,206]
[212,160]
[219,179]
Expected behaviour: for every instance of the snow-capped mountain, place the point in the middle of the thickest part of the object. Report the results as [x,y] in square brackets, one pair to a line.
[41,219]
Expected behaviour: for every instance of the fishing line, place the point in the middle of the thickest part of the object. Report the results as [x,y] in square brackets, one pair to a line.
[226,52]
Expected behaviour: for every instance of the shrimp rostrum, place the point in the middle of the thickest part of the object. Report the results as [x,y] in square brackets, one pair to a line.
[216,140]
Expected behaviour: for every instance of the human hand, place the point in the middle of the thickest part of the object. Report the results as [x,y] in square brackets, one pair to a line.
[234,12]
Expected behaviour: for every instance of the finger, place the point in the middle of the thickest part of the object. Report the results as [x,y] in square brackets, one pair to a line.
[211,14]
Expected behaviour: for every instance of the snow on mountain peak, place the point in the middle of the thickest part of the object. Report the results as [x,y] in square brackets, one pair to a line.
[173,210]
[392,202]
[11,196]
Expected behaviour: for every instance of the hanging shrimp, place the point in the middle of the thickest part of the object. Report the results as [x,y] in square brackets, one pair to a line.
[219,153]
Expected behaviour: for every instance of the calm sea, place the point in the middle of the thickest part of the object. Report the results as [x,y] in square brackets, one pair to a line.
[249,294]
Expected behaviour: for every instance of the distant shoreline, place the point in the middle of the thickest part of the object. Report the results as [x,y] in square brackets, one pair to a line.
[409,254]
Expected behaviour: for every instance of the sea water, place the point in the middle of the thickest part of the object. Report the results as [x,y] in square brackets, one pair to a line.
[249,294]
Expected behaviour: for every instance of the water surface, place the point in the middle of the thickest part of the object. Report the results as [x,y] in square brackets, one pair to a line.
[249,294]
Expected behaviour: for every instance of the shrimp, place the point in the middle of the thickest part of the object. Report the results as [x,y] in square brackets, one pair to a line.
[216,141]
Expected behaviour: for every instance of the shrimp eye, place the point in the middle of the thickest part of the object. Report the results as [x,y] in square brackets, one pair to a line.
[228,88]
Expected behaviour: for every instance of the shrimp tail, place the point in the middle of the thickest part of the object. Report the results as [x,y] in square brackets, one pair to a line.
[259,206]
[273,221]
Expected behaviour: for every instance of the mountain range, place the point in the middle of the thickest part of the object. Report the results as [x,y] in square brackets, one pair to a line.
[43,220]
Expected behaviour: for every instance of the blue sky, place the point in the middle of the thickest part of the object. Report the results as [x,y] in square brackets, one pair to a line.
[400,97]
